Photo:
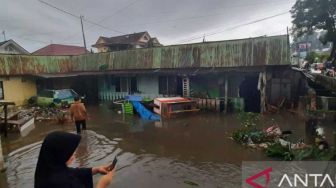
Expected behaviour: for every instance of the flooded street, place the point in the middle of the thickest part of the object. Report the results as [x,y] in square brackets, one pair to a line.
[184,152]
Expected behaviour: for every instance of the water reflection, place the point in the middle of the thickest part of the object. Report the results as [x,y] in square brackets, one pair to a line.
[168,153]
[136,170]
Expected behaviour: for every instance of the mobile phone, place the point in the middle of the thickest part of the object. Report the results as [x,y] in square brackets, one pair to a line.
[115,160]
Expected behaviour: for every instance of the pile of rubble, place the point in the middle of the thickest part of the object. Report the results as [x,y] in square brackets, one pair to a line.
[276,143]
[48,114]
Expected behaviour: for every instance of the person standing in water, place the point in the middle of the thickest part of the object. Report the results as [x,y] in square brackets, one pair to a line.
[56,154]
[78,114]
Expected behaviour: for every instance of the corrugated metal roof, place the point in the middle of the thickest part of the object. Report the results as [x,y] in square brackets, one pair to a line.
[261,51]
[181,71]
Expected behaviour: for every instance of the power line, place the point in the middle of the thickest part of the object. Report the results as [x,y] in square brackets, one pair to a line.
[78,17]
[102,26]
[88,28]
[119,10]
[64,11]
[266,2]
[195,17]
[234,27]
[103,19]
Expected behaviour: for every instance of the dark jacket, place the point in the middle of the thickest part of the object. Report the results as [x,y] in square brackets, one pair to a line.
[52,171]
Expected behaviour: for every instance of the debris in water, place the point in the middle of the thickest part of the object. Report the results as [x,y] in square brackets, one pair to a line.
[190,183]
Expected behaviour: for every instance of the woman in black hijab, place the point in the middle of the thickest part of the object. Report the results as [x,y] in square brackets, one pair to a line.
[56,153]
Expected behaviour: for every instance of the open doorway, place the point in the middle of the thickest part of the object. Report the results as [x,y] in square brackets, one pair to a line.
[86,86]
[248,90]
[179,86]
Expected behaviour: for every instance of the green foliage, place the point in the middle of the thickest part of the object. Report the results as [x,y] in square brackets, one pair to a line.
[316,15]
[240,136]
[245,135]
[312,15]
[322,57]
[308,153]
[32,101]
[314,153]
[278,151]
[249,132]
[103,67]
[303,154]
[311,57]
[249,119]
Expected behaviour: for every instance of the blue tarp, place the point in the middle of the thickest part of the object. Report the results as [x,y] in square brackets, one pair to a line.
[133,98]
[144,112]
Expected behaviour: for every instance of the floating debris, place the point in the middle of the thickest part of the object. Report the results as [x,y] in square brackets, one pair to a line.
[275,142]
[190,183]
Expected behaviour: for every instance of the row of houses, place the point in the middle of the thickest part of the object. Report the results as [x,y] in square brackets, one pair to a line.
[103,44]
[255,70]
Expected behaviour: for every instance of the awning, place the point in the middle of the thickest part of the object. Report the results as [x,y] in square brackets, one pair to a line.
[179,72]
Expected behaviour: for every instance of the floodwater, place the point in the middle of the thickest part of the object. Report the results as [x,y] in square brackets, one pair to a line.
[190,151]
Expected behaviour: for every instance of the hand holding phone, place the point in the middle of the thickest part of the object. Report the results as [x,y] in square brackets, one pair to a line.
[111,166]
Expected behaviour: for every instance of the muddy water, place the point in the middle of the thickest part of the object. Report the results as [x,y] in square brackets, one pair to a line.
[183,152]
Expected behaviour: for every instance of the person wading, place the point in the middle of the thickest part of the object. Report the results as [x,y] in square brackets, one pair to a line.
[52,171]
[78,114]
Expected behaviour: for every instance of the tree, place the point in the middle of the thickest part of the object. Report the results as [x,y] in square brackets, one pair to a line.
[311,57]
[316,15]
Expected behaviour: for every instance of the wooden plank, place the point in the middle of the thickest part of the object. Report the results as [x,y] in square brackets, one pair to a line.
[9,115]
[182,111]
[27,124]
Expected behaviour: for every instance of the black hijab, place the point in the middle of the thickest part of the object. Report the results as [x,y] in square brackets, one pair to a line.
[52,171]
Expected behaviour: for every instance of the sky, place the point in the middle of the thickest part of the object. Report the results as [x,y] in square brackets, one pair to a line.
[33,24]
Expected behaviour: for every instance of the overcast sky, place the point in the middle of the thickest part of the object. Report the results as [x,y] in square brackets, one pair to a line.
[33,24]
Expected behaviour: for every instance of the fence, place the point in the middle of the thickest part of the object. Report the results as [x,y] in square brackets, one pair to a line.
[218,105]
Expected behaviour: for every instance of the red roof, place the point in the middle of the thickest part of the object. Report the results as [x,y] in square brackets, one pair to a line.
[60,49]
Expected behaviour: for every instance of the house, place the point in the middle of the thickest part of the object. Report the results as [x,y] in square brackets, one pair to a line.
[125,42]
[11,47]
[10,85]
[242,74]
[60,49]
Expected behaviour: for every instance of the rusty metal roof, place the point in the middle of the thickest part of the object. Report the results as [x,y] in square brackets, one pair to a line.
[181,71]
[262,51]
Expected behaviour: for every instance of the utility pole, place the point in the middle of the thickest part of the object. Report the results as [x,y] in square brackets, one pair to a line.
[81,19]
[289,46]
[4,34]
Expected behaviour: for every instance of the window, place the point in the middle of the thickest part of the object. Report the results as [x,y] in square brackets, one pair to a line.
[46,93]
[126,84]
[64,94]
[167,85]
[2,96]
